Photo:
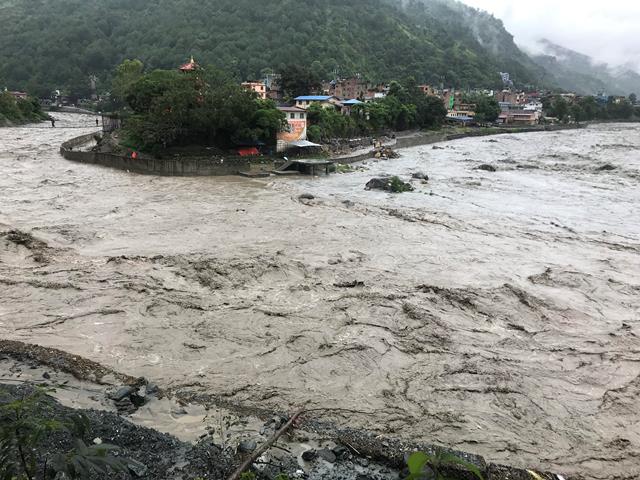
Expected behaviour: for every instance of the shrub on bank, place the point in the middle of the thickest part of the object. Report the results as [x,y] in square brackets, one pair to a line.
[18,111]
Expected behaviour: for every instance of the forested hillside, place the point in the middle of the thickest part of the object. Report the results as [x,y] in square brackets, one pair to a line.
[578,72]
[58,44]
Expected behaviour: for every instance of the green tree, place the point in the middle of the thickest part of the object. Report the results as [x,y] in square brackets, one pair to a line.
[560,108]
[127,73]
[487,109]
[329,123]
[633,98]
[297,80]
[9,107]
[205,107]
[620,110]
[577,113]
[430,112]
[590,107]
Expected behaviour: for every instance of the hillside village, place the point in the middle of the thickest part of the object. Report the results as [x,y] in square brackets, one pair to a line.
[513,107]
[517,107]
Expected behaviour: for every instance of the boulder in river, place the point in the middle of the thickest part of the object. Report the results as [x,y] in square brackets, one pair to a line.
[247,446]
[606,168]
[487,168]
[389,184]
[420,176]
[309,455]
[121,393]
[327,455]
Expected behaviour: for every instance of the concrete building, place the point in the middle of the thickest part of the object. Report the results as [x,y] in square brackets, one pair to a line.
[347,106]
[428,90]
[520,116]
[259,87]
[296,130]
[325,101]
[354,87]
[19,95]
[511,97]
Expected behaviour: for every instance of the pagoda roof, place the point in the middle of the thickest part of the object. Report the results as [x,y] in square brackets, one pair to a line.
[190,66]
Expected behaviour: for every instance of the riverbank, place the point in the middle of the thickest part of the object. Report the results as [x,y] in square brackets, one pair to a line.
[207,437]
[7,121]
[110,153]
[19,111]
[418,138]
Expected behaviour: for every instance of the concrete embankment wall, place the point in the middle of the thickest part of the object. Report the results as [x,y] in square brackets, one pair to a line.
[428,138]
[179,167]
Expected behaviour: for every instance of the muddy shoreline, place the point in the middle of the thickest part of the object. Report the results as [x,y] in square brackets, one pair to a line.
[363,447]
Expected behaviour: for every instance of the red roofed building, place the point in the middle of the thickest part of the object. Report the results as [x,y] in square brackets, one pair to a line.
[190,66]
[19,95]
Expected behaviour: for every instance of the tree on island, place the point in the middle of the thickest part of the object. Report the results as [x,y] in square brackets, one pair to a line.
[201,108]
[127,73]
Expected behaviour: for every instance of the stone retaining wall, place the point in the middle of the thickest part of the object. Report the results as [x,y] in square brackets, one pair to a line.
[180,167]
[428,138]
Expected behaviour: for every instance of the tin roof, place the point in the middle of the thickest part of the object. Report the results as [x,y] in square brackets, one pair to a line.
[314,98]
[291,109]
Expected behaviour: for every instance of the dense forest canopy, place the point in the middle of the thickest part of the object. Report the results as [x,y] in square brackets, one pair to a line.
[58,44]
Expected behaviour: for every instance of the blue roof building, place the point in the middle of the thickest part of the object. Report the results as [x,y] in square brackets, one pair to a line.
[305,101]
[313,98]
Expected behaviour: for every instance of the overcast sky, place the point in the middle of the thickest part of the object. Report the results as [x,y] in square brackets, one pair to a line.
[608,30]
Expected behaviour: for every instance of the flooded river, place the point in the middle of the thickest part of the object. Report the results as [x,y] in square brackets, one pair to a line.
[493,312]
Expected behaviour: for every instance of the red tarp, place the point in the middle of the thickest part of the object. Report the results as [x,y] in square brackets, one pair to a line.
[248,151]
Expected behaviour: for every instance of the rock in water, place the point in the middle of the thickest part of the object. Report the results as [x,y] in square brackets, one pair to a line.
[420,176]
[388,184]
[122,393]
[381,183]
[607,167]
[309,455]
[137,468]
[487,168]
[247,446]
[341,452]
[327,455]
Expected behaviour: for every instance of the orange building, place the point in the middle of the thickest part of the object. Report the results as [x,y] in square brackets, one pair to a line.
[296,130]
[428,90]
[259,87]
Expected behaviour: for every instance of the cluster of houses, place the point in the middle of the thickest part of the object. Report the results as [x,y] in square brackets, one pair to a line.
[296,134]
[517,108]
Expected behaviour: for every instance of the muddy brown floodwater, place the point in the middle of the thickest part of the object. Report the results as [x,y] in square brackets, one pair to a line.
[493,312]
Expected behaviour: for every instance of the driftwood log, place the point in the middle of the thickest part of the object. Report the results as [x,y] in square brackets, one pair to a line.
[264,447]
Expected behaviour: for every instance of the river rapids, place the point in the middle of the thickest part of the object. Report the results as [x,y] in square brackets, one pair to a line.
[493,312]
